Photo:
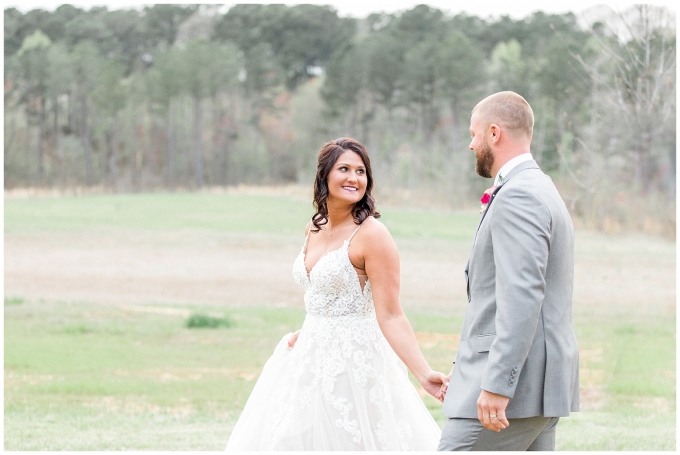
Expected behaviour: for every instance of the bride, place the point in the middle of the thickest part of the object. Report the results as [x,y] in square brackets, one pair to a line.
[338,383]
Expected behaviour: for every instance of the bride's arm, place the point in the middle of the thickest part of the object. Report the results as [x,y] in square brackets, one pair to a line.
[381,262]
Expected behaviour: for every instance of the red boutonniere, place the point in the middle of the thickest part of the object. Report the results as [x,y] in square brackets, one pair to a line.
[486,197]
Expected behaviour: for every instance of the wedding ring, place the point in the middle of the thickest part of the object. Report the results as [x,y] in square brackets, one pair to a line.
[493,416]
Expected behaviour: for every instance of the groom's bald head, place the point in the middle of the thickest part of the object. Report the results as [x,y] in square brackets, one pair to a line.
[509,110]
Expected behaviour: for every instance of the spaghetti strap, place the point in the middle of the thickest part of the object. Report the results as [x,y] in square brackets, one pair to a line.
[309,231]
[355,231]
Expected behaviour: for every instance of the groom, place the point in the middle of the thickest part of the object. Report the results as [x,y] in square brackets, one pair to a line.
[516,371]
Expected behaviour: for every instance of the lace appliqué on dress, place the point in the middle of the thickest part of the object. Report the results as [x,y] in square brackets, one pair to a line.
[341,320]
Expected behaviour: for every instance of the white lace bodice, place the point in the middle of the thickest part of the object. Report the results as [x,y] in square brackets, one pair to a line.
[332,288]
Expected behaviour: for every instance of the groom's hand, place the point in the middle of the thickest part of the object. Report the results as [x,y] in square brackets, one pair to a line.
[436,384]
[491,411]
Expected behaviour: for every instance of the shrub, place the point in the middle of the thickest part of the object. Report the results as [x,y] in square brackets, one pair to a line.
[13,300]
[198,321]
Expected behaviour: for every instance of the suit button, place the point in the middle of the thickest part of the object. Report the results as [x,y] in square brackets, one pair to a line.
[514,368]
[514,373]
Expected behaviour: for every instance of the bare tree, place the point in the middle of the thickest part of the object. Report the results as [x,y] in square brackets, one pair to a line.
[634,78]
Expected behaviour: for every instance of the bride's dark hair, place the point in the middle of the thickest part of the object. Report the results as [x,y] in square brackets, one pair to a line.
[327,157]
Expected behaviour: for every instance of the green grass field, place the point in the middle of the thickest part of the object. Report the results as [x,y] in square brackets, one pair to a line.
[248,213]
[90,375]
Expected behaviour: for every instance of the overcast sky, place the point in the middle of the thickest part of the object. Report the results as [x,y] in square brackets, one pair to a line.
[357,8]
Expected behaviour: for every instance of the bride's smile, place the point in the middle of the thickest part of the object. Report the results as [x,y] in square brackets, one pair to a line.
[347,180]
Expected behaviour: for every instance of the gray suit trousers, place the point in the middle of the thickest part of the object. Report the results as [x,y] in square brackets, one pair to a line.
[531,433]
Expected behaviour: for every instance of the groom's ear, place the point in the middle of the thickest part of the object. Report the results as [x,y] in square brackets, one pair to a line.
[494,132]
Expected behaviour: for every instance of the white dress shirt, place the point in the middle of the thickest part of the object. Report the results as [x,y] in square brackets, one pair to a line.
[507,167]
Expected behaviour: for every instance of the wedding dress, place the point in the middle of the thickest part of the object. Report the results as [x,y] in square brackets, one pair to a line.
[341,387]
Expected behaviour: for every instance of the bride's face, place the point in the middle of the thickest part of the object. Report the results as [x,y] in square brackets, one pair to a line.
[347,180]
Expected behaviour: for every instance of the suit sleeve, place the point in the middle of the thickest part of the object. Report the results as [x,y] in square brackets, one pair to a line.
[520,230]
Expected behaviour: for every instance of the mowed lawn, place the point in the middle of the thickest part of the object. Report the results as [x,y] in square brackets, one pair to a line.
[105,375]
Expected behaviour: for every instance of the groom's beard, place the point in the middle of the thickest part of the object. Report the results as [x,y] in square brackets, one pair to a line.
[484,161]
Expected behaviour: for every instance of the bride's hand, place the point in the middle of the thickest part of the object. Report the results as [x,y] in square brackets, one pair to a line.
[445,386]
[293,338]
[436,384]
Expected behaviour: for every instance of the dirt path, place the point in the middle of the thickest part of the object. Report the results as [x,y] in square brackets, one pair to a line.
[195,267]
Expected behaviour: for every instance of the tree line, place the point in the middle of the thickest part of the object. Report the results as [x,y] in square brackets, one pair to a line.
[186,96]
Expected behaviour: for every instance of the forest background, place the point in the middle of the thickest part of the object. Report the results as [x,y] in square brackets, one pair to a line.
[180,97]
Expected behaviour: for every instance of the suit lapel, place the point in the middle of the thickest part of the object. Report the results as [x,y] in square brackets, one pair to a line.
[531,164]
[488,204]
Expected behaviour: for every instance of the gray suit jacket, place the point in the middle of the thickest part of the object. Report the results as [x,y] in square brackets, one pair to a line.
[517,338]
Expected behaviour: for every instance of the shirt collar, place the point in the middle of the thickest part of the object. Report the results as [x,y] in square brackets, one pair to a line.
[507,167]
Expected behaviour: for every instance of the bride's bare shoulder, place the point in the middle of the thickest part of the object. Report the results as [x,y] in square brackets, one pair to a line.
[375,231]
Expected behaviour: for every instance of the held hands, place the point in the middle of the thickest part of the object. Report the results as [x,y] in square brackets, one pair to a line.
[436,384]
[491,411]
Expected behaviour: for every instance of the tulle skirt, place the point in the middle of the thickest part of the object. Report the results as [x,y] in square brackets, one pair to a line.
[341,387]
